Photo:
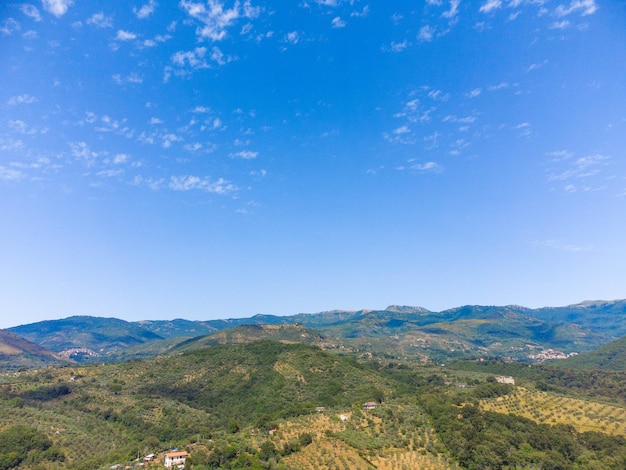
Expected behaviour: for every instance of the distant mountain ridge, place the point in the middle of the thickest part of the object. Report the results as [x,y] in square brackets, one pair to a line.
[398,331]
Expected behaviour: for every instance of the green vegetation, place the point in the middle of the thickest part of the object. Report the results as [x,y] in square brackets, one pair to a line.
[611,356]
[219,404]
[21,444]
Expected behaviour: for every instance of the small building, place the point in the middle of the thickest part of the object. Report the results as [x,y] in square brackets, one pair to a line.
[175,459]
[370,405]
[505,380]
[320,409]
[344,417]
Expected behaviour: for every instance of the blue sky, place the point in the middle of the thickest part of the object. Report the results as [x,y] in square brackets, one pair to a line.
[210,159]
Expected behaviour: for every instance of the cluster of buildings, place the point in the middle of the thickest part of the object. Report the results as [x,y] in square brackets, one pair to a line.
[550,354]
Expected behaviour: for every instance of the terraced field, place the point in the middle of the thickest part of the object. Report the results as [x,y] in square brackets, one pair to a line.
[392,437]
[544,407]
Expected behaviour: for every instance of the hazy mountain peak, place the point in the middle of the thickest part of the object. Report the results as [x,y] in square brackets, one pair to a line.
[406,309]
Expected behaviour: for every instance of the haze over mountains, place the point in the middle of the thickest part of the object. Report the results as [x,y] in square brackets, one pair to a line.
[402,332]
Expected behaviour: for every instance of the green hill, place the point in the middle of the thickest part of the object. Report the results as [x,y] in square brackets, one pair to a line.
[611,356]
[17,353]
[100,336]
[603,317]
[250,333]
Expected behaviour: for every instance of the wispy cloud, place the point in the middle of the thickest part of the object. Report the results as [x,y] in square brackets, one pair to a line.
[57,7]
[426,33]
[216,18]
[133,78]
[30,11]
[427,167]
[125,35]
[337,22]
[490,5]
[583,167]
[188,183]
[245,154]
[21,99]
[100,20]
[397,46]
[81,151]
[194,59]
[584,7]
[146,10]
[9,27]
[453,11]
[558,245]
[292,38]
[9,174]
[560,24]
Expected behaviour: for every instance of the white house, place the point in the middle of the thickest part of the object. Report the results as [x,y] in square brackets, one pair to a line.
[175,459]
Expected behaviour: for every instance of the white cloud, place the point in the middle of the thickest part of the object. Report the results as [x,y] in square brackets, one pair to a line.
[219,57]
[9,174]
[361,14]
[584,7]
[428,167]
[132,78]
[216,17]
[153,184]
[100,20]
[167,140]
[187,183]
[30,11]
[474,93]
[337,22]
[245,154]
[156,121]
[201,110]
[120,158]
[82,151]
[19,126]
[583,167]
[194,59]
[21,99]
[438,95]
[499,86]
[146,10]
[11,145]
[490,5]
[560,24]
[454,9]
[193,147]
[125,36]
[399,46]
[9,27]
[426,33]
[292,37]
[57,7]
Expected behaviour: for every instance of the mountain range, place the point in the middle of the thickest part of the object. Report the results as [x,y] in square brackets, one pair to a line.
[400,332]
